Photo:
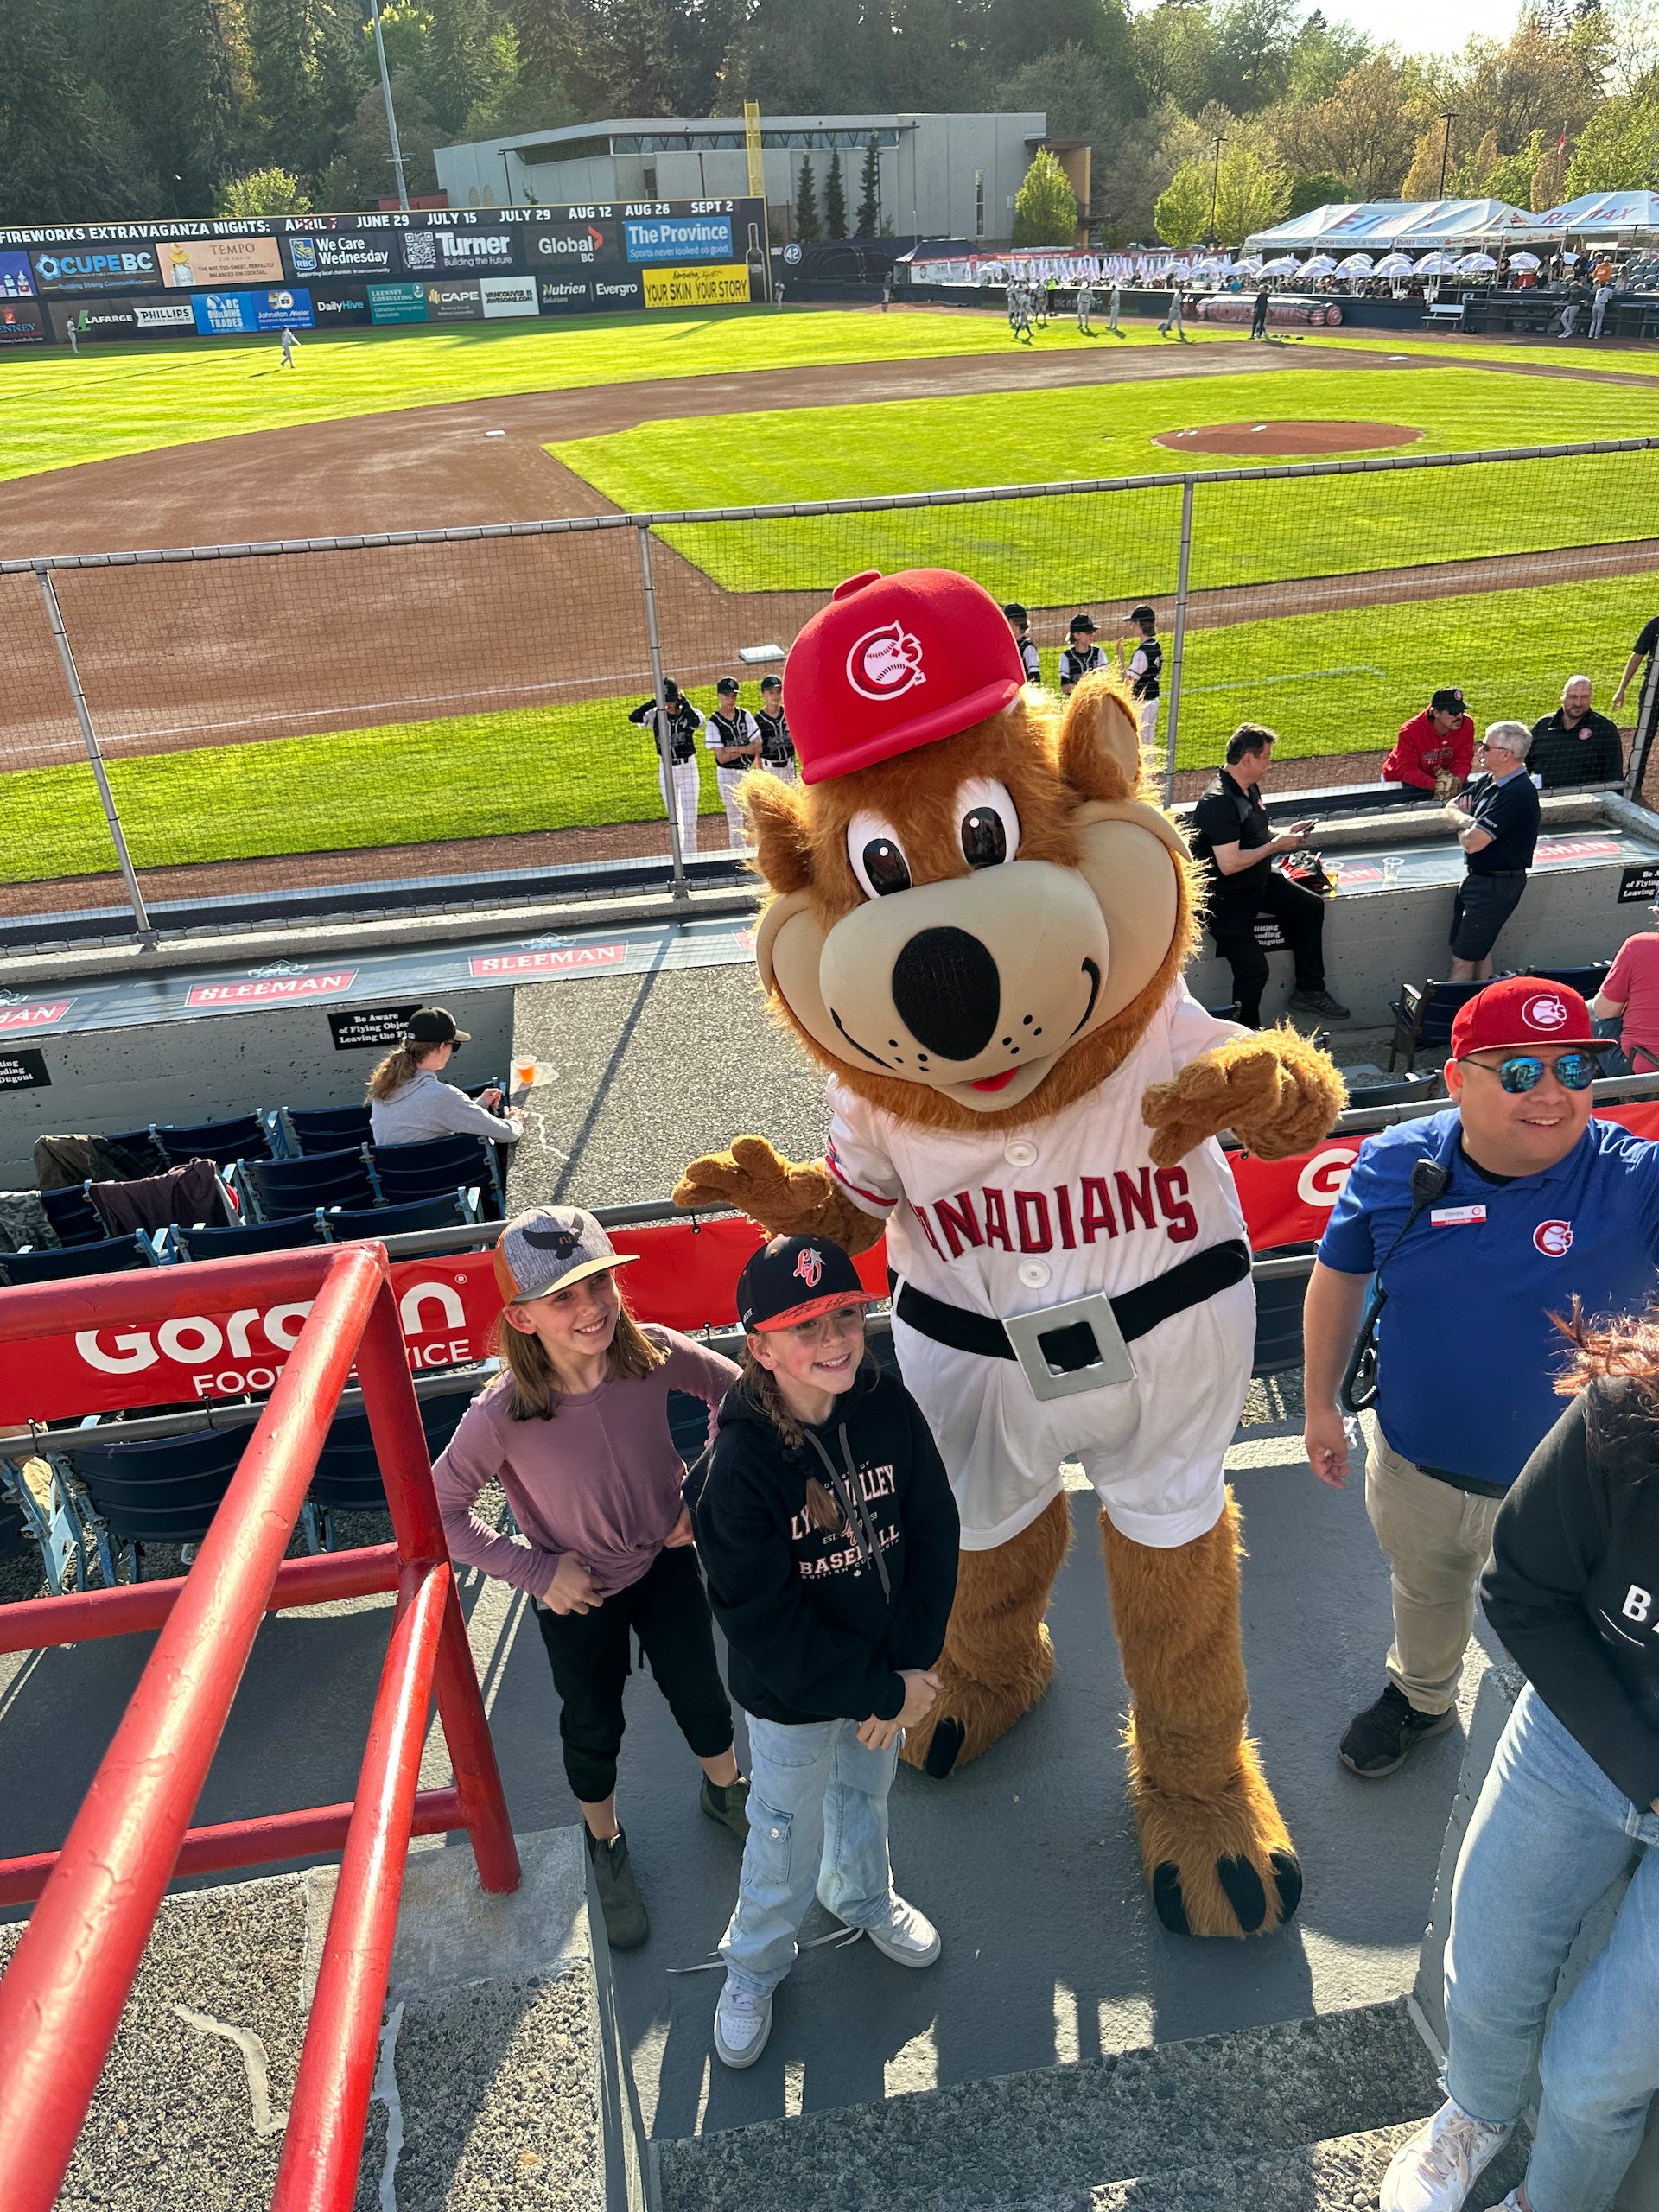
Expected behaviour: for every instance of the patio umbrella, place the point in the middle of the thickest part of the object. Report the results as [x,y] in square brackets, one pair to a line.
[1286,266]
[1393,265]
[1320,265]
[1476,264]
[1434,265]
[1356,264]
[1524,261]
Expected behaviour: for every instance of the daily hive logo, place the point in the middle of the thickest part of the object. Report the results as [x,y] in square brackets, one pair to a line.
[885,663]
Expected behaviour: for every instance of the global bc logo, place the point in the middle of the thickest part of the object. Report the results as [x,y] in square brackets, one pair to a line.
[1554,1238]
[885,663]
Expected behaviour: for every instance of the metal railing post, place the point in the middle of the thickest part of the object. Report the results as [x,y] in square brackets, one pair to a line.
[1177,643]
[78,699]
[676,870]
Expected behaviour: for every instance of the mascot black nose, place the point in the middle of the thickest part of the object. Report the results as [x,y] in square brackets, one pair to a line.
[948,993]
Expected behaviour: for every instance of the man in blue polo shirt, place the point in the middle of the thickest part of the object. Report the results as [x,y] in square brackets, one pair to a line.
[1481,1224]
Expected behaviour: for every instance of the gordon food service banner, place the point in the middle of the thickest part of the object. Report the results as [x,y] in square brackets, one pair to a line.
[685,1276]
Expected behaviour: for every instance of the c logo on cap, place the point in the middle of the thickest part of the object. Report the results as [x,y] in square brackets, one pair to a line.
[885,663]
[1554,1238]
[1544,1012]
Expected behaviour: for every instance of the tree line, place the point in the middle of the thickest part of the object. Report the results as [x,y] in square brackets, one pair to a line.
[1238,112]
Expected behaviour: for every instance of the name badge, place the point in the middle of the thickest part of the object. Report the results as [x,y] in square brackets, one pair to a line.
[1455,1217]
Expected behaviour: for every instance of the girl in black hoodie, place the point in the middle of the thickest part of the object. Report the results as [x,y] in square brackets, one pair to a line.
[829,1535]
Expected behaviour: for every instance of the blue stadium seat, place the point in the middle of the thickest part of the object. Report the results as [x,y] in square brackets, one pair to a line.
[1423,1014]
[407,1172]
[111,1255]
[1586,981]
[328,1128]
[1279,1315]
[343,1223]
[245,1138]
[73,1216]
[283,1188]
[149,1491]
[207,1241]
[1410,1091]
[348,1480]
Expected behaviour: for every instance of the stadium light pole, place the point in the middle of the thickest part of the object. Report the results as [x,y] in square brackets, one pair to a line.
[1214,190]
[392,118]
[1448,118]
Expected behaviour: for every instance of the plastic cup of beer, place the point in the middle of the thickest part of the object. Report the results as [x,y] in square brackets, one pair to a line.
[523,1074]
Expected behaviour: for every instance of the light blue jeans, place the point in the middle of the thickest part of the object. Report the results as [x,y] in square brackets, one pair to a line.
[817,1824]
[1549,1838]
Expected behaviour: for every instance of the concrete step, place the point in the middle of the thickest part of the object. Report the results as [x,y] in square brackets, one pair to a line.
[1130,2120]
[1342,2174]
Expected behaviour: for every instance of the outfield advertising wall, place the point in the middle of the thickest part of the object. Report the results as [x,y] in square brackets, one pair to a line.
[118,282]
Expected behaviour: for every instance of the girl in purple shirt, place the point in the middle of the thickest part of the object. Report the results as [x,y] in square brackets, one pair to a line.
[576,1431]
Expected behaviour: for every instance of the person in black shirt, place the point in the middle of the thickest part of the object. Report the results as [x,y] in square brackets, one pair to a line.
[1081,654]
[1144,668]
[1231,837]
[1020,623]
[1575,745]
[1498,830]
[1259,311]
[1573,1590]
[776,746]
[1646,646]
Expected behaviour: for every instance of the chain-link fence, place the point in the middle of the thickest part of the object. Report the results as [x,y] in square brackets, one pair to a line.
[445,713]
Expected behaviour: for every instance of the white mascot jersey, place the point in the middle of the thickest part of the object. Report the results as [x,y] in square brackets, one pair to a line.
[1015,1220]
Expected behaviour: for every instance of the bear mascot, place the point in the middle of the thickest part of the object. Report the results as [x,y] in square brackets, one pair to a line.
[976,921]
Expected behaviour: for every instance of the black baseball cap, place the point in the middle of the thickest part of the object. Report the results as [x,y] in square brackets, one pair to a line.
[1015,613]
[794,1279]
[1078,622]
[771,684]
[727,683]
[1449,701]
[434,1024]
[1142,613]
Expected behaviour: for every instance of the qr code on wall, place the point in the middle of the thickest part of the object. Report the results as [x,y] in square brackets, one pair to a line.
[420,250]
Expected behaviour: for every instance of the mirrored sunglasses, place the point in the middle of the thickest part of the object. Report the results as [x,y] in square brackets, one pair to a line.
[1572,1070]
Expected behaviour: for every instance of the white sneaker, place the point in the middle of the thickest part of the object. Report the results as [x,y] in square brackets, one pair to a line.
[1511,2202]
[1440,2164]
[742,2022]
[907,1936]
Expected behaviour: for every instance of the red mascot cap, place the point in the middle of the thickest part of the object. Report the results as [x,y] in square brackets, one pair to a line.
[893,663]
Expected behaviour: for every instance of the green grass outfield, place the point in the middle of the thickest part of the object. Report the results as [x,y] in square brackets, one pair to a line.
[1328,683]
[1048,552]
[57,409]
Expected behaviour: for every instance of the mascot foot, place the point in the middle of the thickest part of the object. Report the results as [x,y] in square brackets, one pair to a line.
[1220,1866]
[968,1716]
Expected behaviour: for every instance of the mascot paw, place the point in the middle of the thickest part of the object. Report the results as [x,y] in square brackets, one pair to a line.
[968,1716]
[945,1749]
[1217,1865]
[1241,1886]
[1277,1092]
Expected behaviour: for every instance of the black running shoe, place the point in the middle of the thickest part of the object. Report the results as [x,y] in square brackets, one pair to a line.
[1379,1739]
[1320,1002]
[620,1900]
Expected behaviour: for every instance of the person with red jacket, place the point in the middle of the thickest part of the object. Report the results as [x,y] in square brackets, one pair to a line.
[1435,747]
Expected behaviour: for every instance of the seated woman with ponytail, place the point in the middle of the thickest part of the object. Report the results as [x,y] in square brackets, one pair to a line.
[829,1535]
[407,1104]
[576,1433]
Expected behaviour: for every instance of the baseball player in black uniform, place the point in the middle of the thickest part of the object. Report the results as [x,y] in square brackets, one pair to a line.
[1081,654]
[675,725]
[1018,622]
[776,746]
[732,735]
[1144,667]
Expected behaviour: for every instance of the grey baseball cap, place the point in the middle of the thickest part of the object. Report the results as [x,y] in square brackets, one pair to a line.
[550,1247]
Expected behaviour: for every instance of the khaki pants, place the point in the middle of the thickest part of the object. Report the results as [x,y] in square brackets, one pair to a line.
[1438,1540]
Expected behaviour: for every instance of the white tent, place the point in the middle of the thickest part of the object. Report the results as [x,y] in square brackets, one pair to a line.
[1634,215]
[1395,222]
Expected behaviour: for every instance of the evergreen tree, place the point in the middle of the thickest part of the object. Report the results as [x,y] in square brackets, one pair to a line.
[63,152]
[869,192]
[834,200]
[807,226]
[1044,208]
[307,75]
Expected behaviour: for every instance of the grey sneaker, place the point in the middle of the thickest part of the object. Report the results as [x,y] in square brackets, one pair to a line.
[1441,2163]
[742,2022]
[907,1936]
[728,1803]
[620,1902]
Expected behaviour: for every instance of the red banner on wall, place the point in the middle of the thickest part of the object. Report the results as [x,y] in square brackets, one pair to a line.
[685,1276]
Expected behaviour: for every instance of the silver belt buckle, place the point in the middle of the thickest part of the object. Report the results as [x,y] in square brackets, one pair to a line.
[1111,1362]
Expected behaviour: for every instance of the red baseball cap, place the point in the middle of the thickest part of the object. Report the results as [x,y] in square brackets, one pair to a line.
[893,663]
[1523,1010]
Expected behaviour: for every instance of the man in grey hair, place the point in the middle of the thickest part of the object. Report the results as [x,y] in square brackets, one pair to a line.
[1498,828]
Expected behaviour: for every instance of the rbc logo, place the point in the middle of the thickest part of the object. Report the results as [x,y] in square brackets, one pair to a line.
[885,663]
[1554,1238]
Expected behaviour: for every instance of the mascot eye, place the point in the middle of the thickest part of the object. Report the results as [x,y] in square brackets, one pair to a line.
[877,856]
[990,827]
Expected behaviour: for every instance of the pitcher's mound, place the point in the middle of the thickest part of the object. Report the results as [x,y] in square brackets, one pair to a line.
[1279,438]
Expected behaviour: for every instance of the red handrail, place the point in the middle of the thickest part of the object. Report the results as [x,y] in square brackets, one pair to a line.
[62,1996]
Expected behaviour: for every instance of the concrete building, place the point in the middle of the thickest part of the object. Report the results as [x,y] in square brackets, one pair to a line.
[951,176]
